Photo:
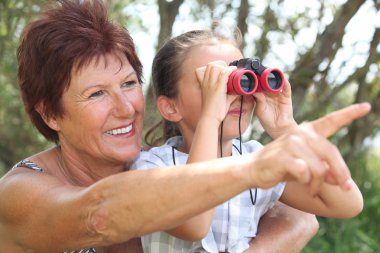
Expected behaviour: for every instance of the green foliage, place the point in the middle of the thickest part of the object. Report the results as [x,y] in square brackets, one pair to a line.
[360,234]
[342,236]
[18,138]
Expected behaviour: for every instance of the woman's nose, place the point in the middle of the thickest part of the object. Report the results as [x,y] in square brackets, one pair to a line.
[123,106]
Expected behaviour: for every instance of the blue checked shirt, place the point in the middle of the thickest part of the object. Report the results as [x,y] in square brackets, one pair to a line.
[235,221]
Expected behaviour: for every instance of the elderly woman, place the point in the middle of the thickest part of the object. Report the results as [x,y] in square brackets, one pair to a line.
[80,80]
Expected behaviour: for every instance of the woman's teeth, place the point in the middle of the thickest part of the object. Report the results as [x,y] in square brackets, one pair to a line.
[123,130]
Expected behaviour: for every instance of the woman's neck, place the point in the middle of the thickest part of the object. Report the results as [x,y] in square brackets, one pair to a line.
[78,170]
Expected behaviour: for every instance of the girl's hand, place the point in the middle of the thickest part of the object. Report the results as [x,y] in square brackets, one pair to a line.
[213,81]
[275,111]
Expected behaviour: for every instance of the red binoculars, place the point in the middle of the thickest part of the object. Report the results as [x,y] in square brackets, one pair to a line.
[251,76]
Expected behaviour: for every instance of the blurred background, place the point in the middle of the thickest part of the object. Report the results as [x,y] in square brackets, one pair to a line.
[329,50]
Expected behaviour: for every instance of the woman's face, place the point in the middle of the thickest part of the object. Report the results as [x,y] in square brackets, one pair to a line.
[190,99]
[103,112]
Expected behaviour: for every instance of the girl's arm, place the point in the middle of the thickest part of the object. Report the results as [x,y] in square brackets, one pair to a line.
[203,148]
[330,200]
[323,197]
[204,141]
[275,113]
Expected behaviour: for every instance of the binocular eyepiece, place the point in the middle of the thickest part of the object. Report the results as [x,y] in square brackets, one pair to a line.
[251,76]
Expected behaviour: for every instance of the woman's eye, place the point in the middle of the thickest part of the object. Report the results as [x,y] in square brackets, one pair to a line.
[129,84]
[96,94]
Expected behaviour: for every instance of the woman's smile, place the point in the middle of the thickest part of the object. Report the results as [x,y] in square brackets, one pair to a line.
[121,130]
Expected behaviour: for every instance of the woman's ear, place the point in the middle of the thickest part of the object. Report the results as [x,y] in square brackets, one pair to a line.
[168,109]
[50,121]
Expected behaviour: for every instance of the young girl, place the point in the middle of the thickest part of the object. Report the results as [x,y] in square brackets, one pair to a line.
[190,73]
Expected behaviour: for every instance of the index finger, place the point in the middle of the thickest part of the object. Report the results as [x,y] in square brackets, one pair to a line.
[332,122]
[200,72]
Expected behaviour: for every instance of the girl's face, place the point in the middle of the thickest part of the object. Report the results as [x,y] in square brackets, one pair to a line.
[103,113]
[190,99]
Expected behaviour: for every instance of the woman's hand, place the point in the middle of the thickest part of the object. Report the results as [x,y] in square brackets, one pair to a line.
[275,111]
[304,153]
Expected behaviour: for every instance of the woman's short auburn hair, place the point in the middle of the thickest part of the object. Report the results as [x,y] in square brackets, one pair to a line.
[67,37]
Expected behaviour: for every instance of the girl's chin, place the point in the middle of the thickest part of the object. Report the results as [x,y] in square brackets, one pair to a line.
[233,131]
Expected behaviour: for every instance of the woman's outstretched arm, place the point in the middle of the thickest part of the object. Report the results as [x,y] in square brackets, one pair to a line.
[130,204]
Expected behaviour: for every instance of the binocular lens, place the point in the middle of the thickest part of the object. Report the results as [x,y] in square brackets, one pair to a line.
[274,80]
[247,82]
[251,76]
[242,82]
